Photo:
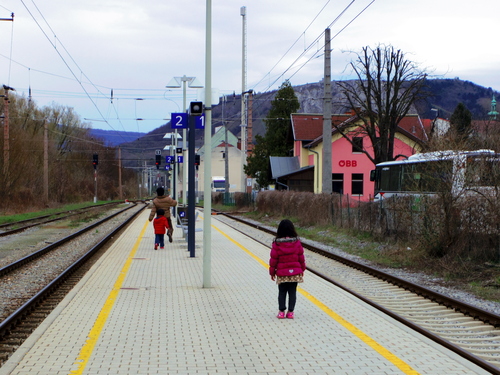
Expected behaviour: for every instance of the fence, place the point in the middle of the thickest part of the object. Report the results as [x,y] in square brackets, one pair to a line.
[235,199]
[467,227]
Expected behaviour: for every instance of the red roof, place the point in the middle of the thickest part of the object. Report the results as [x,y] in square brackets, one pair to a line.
[307,127]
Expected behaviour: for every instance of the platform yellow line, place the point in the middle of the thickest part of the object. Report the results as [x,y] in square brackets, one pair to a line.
[95,332]
[387,354]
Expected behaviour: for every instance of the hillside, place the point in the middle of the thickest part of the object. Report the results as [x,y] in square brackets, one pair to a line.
[445,95]
[115,138]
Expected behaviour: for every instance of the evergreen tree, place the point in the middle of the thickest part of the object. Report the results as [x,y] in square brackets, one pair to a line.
[278,139]
[460,122]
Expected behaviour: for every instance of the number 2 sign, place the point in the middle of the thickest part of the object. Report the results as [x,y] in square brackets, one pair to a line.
[179,120]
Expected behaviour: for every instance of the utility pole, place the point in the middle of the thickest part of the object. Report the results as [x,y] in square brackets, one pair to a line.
[207,176]
[6,146]
[327,121]
[249,130]
[243,13]
[46,161]
[120,187]
[226,149]
[6,149]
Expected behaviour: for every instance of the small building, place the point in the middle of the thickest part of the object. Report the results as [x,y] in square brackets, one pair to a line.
[218,155]
[350,167]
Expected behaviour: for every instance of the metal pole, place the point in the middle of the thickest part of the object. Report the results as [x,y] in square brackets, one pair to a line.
[6,144]
[191,197]
[226,149]
[120,187]
[184,145]
[243,13]
[46,162]
[327,120]
[207,165]
[95,184]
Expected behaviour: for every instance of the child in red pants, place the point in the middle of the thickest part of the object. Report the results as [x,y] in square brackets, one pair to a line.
[160,224]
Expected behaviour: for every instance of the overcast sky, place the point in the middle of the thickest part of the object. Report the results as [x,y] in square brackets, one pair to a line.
[75,53]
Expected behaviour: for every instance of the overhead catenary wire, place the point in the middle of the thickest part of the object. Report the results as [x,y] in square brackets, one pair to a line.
[66,63]
[117,98]
[319,50]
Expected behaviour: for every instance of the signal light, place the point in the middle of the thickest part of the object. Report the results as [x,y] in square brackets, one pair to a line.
[196,161]
[158,161]
[196,108]
[95,160]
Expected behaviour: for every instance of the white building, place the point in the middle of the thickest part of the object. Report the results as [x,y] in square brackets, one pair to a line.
[219,157]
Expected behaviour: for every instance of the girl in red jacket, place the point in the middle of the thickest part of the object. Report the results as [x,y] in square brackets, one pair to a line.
[160,224]
[287,266]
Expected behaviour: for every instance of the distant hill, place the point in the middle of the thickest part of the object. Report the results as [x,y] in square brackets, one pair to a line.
[445,94]
[115,138]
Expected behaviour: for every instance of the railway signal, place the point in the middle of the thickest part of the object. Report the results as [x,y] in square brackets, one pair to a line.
[196,108]
[158,161]
[95,160]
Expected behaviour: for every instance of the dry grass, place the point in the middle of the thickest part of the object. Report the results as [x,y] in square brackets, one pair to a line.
[421,239]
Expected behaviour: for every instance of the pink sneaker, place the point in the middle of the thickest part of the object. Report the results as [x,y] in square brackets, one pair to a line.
[281,315]
[289,315]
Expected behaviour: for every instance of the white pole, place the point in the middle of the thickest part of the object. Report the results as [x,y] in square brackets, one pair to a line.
[207,165]
[184,146]
[243,90]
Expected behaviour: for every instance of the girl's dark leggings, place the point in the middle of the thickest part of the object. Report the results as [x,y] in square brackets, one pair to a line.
[291,290]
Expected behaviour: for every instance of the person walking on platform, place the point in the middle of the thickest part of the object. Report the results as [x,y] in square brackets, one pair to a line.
[165,202]
[287,266]
[160,224]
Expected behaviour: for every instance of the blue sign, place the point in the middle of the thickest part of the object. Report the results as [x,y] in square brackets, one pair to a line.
[179,120]
[167,167]
[199,122]
[169,159]
[180,159]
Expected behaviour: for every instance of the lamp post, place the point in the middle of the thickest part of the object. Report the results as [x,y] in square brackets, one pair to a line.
[178,82]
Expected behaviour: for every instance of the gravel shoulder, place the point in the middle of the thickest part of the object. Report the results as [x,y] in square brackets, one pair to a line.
[20,285]
[435,284]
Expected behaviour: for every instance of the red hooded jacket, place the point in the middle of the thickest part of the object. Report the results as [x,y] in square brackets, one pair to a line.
[287,257]
[160,223]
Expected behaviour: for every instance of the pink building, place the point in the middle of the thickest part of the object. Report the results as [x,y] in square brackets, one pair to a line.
[350,167]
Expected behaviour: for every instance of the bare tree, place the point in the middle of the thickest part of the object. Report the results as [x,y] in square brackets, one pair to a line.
[387,86]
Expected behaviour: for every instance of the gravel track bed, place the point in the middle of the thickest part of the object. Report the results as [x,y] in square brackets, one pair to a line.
[325,266]
[17,287]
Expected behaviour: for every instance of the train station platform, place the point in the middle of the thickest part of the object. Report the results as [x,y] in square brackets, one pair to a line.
[141,311]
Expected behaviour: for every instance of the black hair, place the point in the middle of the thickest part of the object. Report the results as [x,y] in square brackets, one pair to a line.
[160,211]
[160,191]
[286,229]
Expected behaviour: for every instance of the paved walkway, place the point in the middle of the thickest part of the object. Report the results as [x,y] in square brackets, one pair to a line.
[141,311]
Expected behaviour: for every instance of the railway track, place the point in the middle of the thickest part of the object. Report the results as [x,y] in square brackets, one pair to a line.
[19,324]
[469,331]
[8,229]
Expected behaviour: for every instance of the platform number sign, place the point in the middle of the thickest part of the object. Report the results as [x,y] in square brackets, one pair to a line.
[200,122]
[169,159]
[180,159]
[179,120]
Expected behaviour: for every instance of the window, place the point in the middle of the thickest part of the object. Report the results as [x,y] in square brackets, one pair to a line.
[357,144]
[338,183]
[357,184]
